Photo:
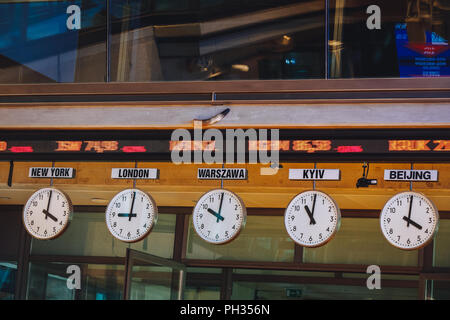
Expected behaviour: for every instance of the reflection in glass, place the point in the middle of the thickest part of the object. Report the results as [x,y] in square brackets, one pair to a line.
[217,40]
[360,241]
[48,281]
[8,272]
[442,244]
[151,283]
[89,236]
[52,41]
[292,285]
[263,239]
[404,38]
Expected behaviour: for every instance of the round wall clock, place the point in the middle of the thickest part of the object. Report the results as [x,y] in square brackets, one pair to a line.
[47,213]
[219,216]
[312,218]
[409,220]
[131,215]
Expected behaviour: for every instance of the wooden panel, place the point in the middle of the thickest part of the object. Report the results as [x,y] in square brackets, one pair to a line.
[178,185]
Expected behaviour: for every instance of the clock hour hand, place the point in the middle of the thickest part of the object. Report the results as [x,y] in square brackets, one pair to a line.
[415,224]
[310,215]
[215,214]
[127,215]
[48,214]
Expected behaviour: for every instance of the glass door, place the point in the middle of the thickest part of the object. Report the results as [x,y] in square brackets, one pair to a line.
[148,277]
[435,286]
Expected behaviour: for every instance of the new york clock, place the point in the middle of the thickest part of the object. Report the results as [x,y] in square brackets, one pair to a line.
[47,213]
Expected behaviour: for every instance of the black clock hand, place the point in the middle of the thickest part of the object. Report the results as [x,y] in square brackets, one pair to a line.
[48,204]
[311,218]
[127,215]
[409,213]
[314,205]
[48,214]
[415,224]
[220,207]
[132,205]
[215,214]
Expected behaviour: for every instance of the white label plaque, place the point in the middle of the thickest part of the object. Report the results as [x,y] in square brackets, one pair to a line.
[222,173]
[51,172]
[411,175]
[134,173]
[314,174]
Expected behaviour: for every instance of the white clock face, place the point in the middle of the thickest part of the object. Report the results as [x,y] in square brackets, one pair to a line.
[312,218]
[131,215]
[219,216]
[47,213]
[409,220]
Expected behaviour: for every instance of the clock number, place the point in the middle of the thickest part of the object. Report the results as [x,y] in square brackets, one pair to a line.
[217,236]
[418,238]
[205,206]
[310,239]
[41,196]
[292,218]
[35,203]
[148,206]
[331,219]
[237,217]
[320,236]
[399,202]
[226,234]
[428,209]
[391,231]
[301,235]
[202,226]
[388,220]
[329,209]
[294,228]
[117,204]
[235,207]
[392,210]
[408,241]
[430,220]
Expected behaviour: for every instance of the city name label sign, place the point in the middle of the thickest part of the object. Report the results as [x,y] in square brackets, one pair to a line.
[222,174]
[51,172]
[411,175]
[134,173]
[314,174]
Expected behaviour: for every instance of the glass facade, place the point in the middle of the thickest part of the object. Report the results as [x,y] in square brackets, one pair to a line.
[187,40]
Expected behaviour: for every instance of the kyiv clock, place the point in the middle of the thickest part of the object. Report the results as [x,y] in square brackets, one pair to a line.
[131,215]
[219,216]
[312,218]
[47,213]
[409,220]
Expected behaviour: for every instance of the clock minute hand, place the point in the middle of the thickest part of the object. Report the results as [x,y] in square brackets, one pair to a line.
[48,204]
[132,205]
[220,206]
[409,213]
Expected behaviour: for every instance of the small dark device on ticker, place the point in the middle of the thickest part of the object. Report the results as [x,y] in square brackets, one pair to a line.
[364,182]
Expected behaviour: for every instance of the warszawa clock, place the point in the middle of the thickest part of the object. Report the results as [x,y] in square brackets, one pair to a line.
[47,213]
[219,216]
[409,220]
[312,218]
[131,215]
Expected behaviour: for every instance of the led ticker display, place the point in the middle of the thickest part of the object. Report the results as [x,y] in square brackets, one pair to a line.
[285,146]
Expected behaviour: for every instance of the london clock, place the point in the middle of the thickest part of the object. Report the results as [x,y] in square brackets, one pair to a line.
[219,216]
[312,218]
[131,215]
[47,213]
[409,220]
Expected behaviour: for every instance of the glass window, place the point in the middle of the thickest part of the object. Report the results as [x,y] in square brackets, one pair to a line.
[203,283]
[402,38]
[88,235]
[294,285]
[52,41]
[48,281]
[263,239]
[217,40]
[8,274]
[360,241]
[442,244]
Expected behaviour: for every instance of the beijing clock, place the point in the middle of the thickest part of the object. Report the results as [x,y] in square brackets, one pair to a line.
[409,220]
[47,213]
[131,215]
[312,218]
[219,216]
